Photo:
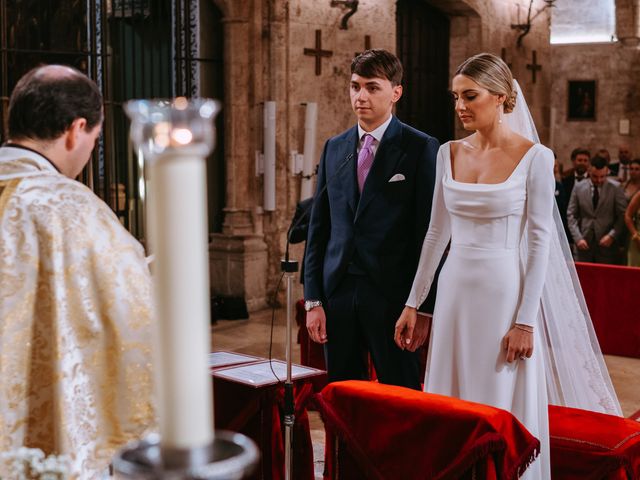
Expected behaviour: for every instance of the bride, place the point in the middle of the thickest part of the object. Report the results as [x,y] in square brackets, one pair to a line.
[510,325]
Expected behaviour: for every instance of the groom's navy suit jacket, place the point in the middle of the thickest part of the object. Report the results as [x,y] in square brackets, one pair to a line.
[381,230]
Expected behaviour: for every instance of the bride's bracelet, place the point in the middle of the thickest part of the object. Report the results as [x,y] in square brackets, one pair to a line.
[524,328]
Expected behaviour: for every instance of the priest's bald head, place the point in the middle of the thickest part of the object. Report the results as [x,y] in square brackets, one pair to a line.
[56,110]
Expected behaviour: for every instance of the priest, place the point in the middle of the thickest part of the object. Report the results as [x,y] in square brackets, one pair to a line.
[75,289]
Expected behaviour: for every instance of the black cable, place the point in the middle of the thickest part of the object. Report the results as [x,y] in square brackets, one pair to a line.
[273,317]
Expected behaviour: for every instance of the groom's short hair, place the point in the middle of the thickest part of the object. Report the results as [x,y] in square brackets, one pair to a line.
[378,63]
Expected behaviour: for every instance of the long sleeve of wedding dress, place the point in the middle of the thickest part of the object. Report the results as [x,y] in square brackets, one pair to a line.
[539,227]
[435,241]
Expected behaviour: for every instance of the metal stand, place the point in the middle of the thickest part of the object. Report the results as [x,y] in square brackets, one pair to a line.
[231,456]
[289,267]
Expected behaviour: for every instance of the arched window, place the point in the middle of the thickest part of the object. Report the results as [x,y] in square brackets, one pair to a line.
[574,22]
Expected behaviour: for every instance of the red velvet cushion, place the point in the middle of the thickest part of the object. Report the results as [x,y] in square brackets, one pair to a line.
[395,432]
[612,297]
[593,446]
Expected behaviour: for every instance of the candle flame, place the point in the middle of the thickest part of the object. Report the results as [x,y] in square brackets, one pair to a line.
[182,136]
[181,103]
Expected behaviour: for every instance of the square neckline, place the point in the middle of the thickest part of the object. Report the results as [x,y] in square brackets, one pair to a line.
[520,162]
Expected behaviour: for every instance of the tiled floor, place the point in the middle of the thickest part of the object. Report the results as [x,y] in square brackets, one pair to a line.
[252,337]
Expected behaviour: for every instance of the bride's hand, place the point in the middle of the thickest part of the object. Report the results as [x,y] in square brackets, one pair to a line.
[518,344]
[404,327]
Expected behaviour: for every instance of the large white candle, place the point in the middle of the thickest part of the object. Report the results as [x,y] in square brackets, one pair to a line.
[310,128]
[179,242]
[175,138]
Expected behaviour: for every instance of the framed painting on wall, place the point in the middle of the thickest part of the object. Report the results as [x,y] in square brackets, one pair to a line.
[582,100]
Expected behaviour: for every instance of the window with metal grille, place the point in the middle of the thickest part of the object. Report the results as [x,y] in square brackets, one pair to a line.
[132,49]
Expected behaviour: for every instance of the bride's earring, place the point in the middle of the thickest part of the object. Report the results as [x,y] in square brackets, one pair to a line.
[500,113]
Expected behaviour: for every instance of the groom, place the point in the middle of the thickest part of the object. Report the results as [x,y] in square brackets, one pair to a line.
[369,218]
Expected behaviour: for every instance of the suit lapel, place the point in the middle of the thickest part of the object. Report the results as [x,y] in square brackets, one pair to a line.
[387,157]
[348,176]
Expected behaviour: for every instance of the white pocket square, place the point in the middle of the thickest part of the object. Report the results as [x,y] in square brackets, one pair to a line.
[398,177]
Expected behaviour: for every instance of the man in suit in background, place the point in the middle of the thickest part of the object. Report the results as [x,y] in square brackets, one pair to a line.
[368,222]
[596,215]
[620,169]
[580,159]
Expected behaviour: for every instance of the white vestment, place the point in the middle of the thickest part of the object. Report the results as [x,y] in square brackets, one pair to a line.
[75,319]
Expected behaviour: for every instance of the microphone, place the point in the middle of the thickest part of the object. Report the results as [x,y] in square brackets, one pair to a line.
[292,266]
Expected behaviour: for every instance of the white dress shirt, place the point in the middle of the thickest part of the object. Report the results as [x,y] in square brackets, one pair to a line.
[377,134]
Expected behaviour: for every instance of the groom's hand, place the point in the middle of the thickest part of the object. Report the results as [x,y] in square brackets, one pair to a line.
[317,325]
[420,332]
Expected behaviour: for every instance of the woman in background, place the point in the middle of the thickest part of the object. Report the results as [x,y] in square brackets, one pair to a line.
[632,219]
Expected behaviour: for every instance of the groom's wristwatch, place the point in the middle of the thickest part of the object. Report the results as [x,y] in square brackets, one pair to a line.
[311,304]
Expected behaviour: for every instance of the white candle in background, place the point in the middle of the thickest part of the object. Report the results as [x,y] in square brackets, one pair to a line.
[269,179]
[310,129]
[552,128]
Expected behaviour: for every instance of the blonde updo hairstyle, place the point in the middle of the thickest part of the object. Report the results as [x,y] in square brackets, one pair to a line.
[490,72]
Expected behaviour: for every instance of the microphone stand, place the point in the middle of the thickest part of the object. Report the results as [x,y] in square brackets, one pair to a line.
[289,268]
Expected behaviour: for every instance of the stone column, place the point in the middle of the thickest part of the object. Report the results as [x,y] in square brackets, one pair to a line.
[628,22]
[238,256]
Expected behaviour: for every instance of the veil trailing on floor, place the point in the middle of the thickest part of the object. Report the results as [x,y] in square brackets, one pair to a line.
[574,366]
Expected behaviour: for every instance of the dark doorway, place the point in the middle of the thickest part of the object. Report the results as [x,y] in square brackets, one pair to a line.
[423,48]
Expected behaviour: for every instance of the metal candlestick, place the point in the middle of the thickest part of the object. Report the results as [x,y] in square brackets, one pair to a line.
[231,456]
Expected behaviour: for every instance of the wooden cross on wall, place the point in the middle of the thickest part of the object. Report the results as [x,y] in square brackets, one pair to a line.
[367,44]
[534,66]
[318,52]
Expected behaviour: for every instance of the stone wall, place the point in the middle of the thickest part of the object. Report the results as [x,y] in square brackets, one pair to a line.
[485,26]
[616,69]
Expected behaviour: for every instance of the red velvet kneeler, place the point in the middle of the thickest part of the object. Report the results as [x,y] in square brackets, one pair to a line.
[612,297]
[256,412]
[593,446]
[392,432]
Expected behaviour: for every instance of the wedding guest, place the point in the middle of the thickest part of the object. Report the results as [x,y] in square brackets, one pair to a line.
[596,216]
[580,158]
[620,169]
[604,153]
[632,219]
[632,184]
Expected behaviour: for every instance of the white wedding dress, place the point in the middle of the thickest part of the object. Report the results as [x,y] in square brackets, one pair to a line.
[485,287]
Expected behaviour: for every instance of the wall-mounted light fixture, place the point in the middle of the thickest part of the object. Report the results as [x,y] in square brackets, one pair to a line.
[351,5]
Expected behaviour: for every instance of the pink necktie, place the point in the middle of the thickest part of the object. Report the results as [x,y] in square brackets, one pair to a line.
[365,160]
